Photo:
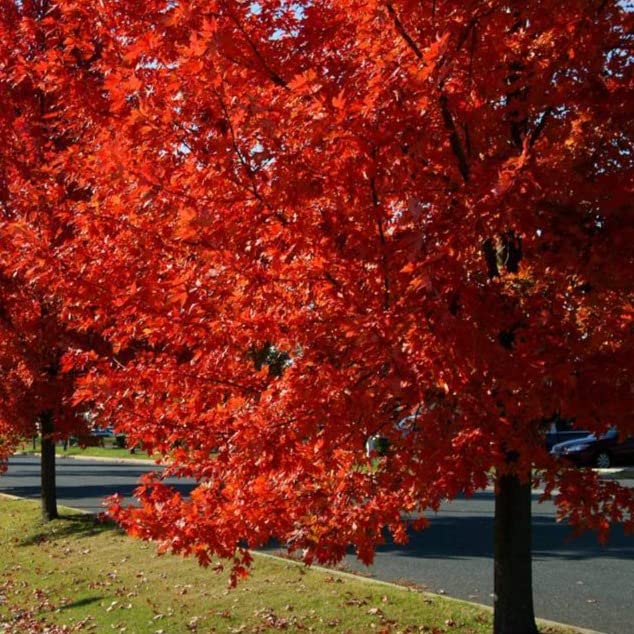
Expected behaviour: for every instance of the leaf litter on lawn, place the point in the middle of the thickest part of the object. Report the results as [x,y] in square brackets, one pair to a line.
[74,575]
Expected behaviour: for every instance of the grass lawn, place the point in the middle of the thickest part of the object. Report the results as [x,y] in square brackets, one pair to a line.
[109,450]
[103,452]
[75,575]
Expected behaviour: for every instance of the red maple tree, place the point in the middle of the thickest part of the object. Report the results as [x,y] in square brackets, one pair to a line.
[308,221]
[35,394]
[46,78]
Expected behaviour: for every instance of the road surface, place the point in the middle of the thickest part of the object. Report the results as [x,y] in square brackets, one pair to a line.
[576,581]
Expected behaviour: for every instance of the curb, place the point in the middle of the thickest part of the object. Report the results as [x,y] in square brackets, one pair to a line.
[617,473]
[17,498]
[390,584]
[8,496]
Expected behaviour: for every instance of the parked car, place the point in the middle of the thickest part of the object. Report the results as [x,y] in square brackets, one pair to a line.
[96,437]
[563,429]
[109,432]
[379,445]
[597,451]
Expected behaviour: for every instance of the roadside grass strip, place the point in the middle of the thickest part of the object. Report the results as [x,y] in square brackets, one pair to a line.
[78,575]
[108,451]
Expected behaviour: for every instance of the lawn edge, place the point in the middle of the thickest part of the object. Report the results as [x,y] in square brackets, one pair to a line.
[361,578]
[115,459]
[398,586]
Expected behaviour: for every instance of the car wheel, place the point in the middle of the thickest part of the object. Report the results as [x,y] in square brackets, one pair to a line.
[603,460]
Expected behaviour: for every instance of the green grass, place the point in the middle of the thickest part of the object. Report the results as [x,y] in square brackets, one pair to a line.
[85,576]
[103,452]
[108,450]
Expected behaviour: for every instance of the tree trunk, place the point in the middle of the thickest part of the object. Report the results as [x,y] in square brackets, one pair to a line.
[47,468]
[513,583]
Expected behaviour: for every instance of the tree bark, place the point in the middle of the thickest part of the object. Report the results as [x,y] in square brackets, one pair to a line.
[513,582]
[47,468]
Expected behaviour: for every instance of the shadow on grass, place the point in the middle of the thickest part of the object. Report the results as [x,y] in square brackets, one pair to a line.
[70,526]
[80,603]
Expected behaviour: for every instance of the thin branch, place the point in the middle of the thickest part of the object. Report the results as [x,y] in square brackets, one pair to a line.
[249,389]
[467,138]
[469,29]
[404,34]
[273,76]
[454,138]
[250,174]
[384,261]
[539,127]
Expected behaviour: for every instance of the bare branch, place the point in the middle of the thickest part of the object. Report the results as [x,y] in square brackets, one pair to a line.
[454,138]
[404,34]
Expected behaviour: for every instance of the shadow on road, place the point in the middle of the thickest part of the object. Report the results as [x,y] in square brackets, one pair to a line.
[69,494]
[108,473]
[472,536]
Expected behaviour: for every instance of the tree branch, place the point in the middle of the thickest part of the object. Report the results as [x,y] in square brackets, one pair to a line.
[384,260]
[274,77]
[454,138]
[404,34]
[534,135]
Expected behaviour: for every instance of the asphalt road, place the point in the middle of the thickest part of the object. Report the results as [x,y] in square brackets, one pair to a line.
[576,581]
[81,484]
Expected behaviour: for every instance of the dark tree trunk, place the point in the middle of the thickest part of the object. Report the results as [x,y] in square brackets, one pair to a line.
[47,468]
[513,583]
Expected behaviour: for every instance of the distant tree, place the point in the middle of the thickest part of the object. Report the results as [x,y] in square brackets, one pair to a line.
[45,74]
[34,394]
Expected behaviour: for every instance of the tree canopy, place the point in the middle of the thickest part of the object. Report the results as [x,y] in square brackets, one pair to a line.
[419,207]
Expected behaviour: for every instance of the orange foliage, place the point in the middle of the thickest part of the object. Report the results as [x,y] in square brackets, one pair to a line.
[426,206]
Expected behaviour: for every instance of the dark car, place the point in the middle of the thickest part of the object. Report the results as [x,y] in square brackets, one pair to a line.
[561,430]
[102,432]
[597,451]
[96,437]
